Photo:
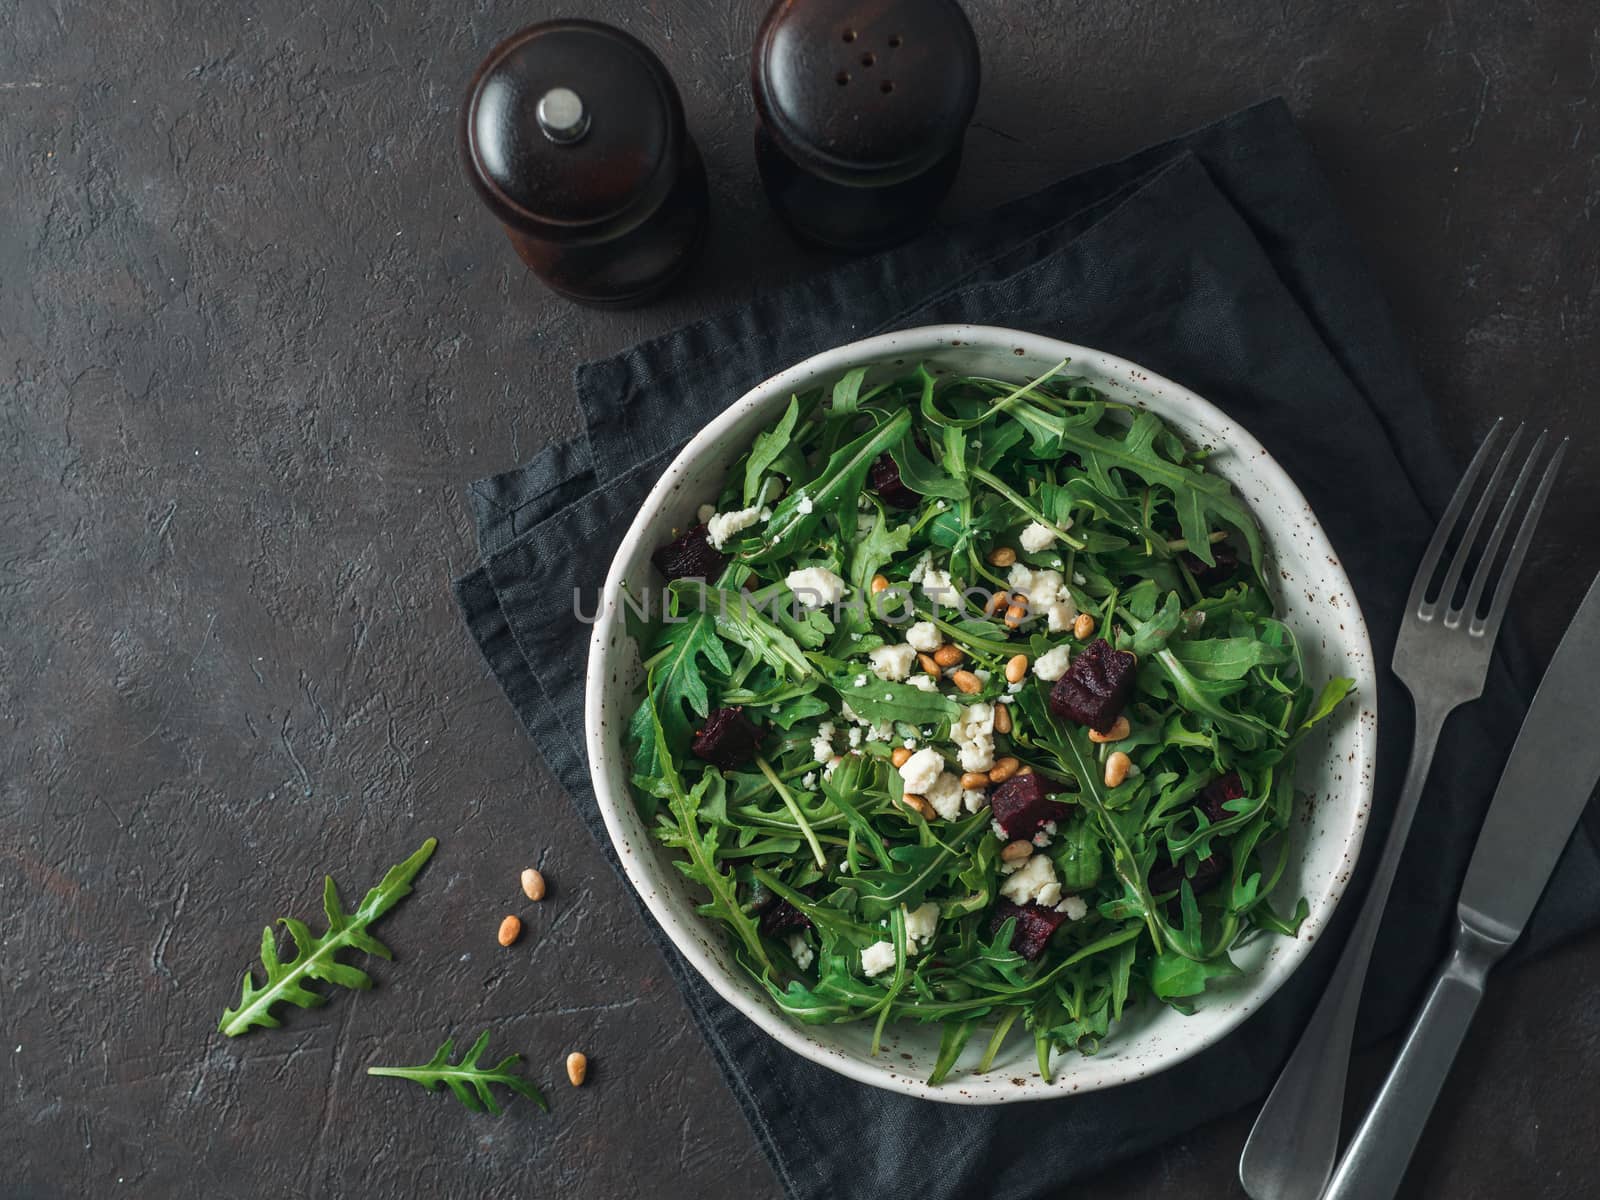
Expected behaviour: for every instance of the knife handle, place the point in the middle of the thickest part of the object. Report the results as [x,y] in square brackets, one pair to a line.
[1376,1160]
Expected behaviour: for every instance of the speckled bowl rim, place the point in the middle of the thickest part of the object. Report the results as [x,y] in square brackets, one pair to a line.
[998,1087]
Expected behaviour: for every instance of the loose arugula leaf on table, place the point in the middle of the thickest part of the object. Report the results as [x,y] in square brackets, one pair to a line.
[467,1080]
[316,956]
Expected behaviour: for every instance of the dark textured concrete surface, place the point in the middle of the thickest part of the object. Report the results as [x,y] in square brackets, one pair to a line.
[255,333]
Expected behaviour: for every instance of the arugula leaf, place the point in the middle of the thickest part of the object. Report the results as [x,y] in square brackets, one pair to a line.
[769,445]
[316,957]
[466,1079]
[883,700]
[833,489]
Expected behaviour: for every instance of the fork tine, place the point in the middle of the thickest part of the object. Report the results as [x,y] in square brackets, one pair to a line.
[1519,549]
[1491,549]
[1469,536]
[1441,534]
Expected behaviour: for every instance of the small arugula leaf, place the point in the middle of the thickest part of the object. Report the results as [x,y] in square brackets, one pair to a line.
[769,445]
[883,700]
[316,957]
[466,1079]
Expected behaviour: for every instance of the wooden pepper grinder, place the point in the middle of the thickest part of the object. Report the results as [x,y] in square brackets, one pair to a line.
[574,136]
[863,105]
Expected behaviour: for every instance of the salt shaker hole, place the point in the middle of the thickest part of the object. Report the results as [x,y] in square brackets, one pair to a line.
[842,78]
[868,59]
[849,35]
[886,86]
[894,41]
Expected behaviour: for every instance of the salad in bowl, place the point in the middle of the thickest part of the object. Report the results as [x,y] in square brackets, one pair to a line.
[965,710]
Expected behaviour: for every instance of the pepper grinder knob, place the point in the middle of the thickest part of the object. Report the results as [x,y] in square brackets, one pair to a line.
[574,138]
[862,106]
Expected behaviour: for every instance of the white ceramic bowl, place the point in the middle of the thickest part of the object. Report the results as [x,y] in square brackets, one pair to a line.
[1335,767]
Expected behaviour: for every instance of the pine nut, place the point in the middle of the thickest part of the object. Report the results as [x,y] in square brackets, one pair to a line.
[1016,615]
[1117,768]
[975,781]
[1016,851]
[1004,769]
[948,655]
[898,758]
[1119,730]
[967,682]
[1016,668]
[1024,770]
[1002,719]
[577,1068]
[925,661]
[879,584]
[1083,627]
[1002,556]
[918,804]
[997,603]
[510,930]
[533,884]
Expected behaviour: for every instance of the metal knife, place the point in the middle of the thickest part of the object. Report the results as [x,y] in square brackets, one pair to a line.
[1547,781]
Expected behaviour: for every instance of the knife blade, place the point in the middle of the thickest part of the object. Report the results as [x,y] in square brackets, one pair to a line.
[1546,783]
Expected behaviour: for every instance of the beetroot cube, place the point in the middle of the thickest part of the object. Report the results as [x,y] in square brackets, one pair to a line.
[884,478]
[1095,687]
[692,556]
[1217,793]
[1167,876]
[1227,562]
[728,739]
[1035,926]
[1021,806]
[781,917]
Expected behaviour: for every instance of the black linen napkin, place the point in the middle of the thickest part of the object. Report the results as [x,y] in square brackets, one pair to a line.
[1218,260]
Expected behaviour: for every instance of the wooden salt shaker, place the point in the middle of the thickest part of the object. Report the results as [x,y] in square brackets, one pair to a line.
[863,105]
[574,136]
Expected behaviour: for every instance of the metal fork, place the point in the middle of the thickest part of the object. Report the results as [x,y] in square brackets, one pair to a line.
[1442,656]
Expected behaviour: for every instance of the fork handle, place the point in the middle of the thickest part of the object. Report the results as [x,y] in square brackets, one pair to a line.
[1375,1163]
[1295,1141]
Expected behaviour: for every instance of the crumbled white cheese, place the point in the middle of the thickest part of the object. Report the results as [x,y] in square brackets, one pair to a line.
[919,772]
[1049,895]
[974,799]
[1075,908]
[1011,691]
[922,922]
[881,731]
[804,503]
[924,636]
[945,795]
[1062,614]
[910,743]
[877,958]
[937,588]
[892,662]
[802,953]
[924,683]
[921,567]
[723,526]
[707,511]
[855,736]
[809,779]
[1041,588]
[999,832]
[973,732]
[860,681]
[815,586]
[822,744]
[831,766]
[1052,664]
[1078,578]
[1036,538]
[1036,876]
